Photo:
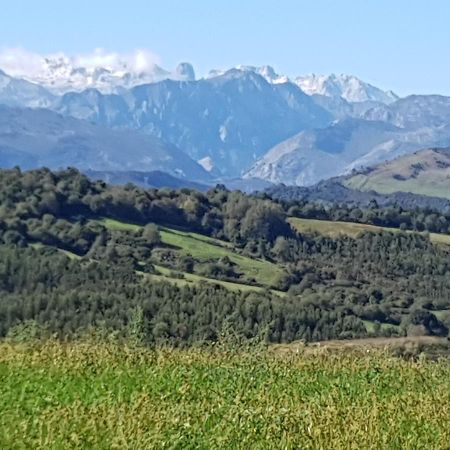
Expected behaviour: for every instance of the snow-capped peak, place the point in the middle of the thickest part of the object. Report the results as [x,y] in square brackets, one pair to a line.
[267,72]
[348,87]
[99,70]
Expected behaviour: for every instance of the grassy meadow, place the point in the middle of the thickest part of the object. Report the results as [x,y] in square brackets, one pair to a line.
[204,248]
[104,396]
[434,184]
[335,228]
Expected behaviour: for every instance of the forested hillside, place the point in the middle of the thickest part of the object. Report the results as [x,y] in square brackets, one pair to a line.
[184,266]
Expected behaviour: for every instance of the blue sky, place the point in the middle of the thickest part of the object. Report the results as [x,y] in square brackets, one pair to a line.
[395,44]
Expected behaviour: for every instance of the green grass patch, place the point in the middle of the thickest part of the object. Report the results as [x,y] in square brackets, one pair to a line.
[117,225]
[434,185]
[204,248]
[81,395]
[70,255]
[336,228]
[191,278]
[370,326]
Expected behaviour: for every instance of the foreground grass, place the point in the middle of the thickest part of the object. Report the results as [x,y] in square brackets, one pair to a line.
[63,396]
[336,228]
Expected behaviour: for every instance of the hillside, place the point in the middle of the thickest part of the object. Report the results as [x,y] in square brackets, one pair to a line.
[347,144]
[152,179]
[78,255]
[426,172]
[314,155]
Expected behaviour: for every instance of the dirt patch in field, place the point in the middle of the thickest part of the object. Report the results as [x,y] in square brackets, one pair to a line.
[400,345]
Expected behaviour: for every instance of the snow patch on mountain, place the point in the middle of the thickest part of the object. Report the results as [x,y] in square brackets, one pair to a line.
[348,87]
[207,163]
[267,72]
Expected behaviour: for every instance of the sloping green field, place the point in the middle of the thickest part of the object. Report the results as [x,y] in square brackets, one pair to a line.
[204,248]
[426,172]
[191,278]
[333,229]
[389,185]
[99,396]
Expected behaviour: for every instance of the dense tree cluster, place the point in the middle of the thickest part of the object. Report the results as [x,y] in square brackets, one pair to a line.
[68,297]
[70,195]
[394,216]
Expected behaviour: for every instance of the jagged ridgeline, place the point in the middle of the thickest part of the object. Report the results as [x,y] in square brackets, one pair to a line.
[185,266]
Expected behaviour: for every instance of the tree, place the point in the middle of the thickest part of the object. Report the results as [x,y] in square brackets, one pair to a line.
[151,234]
[281,248]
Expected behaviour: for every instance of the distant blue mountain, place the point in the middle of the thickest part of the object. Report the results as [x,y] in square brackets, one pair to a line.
[38,137]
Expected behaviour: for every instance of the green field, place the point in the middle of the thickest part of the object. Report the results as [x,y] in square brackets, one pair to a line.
[436,186]
[370,326]
[334,229]
[70,255]
[191,278]
[425,172]
[204,248]
[100,396]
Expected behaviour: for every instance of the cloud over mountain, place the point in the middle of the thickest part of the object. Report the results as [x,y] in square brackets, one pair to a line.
[100,69]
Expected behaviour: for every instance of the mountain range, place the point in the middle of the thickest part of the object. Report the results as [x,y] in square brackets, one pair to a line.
[244,122]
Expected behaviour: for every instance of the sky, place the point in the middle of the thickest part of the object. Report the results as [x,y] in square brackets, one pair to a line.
[401,45]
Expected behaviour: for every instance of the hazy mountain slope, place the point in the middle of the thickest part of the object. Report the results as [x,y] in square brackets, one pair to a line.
[17,92]
[426,172]
[153,179]
[318,154]
[232,119]
[347,144]
[39,137]
[415,111]
[340,108]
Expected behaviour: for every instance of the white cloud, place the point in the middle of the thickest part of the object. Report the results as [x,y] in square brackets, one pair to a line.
[139,60]
[20,62]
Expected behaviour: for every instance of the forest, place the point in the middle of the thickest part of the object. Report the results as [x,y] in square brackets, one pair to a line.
[80,256]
